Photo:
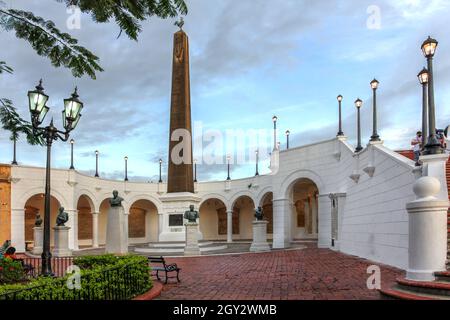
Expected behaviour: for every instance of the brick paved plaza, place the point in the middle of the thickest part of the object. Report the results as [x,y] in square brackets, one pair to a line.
[309,273]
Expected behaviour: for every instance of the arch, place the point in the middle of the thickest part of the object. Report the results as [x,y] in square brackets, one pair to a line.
[33,205]
[84,229]
[92,198]
[303,194]
[40,190]
[240,194]
[243,216]
[128,203]
[263,193]
[290,180]
[213,219]
[214,196]
[266,203]
[143,222]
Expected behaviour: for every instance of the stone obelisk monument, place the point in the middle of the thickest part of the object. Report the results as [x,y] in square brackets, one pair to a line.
[180,181]
[180,177]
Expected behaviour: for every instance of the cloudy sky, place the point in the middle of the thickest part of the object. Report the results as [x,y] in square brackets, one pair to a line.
[250,59]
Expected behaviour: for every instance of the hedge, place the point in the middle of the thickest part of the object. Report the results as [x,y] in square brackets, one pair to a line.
[101,278]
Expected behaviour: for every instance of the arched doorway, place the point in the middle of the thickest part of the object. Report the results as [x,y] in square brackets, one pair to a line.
[85,209]
[34,205]
[305,210]
[143,222]
[213,219]
[267,206]
[244,210]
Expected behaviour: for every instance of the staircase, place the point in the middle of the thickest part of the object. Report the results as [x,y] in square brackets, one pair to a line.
[418,290]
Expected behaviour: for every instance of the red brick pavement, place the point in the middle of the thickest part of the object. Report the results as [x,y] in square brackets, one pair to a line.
[287,275]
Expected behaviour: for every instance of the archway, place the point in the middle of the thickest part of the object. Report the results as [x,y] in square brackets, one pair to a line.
[267,206]
[85,209]
[244,210]
[143,222]
[34,205]
[103,221]
[305,209]
[213,219]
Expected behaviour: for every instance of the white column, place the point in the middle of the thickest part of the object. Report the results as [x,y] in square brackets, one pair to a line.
[73,231]
[427,231]
[229,226]
[95,229]
[435,166]
[324,212]
[127,215]
[18,229]
[281,223]
[314,214]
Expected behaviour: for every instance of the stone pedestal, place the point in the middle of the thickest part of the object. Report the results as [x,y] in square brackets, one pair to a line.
[38,240]
[427,231]
[61,246]
[116,233]
[192,248]
[260,243]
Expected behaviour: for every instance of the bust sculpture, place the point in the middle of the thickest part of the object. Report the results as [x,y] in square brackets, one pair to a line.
[38,220]
[259,215]
[62,217]
[115,201]
[191,215]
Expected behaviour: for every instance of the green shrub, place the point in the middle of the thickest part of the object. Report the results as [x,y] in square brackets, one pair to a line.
[102,278]
[11,271]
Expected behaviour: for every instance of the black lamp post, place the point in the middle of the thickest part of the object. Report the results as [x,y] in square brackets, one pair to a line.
[288,133]
[71,154]
[195,170]
[126,168]
[228,166]
[160,171]
[339,99]
[96,163]
[375,137]
[423,79]
[433,146]
[358,104]
[274,119]
[71,116]
[257,161]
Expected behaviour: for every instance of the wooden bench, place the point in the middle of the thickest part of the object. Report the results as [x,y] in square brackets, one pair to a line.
[163,267]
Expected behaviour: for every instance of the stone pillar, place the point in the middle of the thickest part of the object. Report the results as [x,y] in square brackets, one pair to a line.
[230,226]
[314,213]
[427,231]
[72,223]
[95,229]
[192,248]
[281,223]
[18,229]
[61,245]
[116,235]
[260,243]
[38,240]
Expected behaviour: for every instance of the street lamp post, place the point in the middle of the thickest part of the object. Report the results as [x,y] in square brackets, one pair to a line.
[358,104]
[96,163]
[257,161]
[274,119]
[126,168]
[228,167]
[433,146]
[423,79]
[195,170]
[375,137]
[340,132]
[71,154]
[70,116]
[160,171]
[288,133]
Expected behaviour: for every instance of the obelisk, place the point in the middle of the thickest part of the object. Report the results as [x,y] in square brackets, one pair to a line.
[180,177]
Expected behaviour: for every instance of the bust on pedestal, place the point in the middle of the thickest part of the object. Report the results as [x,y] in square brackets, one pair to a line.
[61,248]
[38,238]
[192,248]
[116,233]
[259,243]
